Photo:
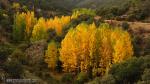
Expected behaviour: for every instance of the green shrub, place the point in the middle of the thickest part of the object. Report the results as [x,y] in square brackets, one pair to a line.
[125,25]
[128,71]
[18,28]
[146,75]
[147,49]
[13,68]
[146,63]
[144,82]
[52,81]
[82,78]
[5,51]
[20,56]
[67,78]
[137,41]
[95,81]
[23,46]
[108,79]
[83,11]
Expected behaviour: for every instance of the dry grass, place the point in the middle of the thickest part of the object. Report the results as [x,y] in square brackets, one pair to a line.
[137,25]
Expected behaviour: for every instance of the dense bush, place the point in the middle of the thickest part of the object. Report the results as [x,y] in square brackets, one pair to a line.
[128,71]
[20,56]
[83,11]
[131,70]
[23,46]
[82,78]
[137,42]
[146,63]
[108,79]
[125,25]
[96,80]
[14,68]
[145,77]
[67,78]
[5,51]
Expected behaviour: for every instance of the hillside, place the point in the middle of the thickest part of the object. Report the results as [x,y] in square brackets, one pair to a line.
[134,9]
[100,3]
[74,42]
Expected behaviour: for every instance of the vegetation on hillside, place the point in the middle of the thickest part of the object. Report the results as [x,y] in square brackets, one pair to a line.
[44,40]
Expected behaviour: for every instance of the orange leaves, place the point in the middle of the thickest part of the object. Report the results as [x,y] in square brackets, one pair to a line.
[30,22]
[88,47]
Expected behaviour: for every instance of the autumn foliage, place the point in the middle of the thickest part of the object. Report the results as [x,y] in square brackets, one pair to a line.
[88,48]
[27,27]
[40,30]
[23,25]
[51,55]
[82,11]
[85,48]
[58,23]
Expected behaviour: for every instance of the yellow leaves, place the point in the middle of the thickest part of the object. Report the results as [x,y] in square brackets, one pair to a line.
[67,52]
[40,30]
[19,18]
[87,47]
[43,25]
[19,27]
[122,46]
[16,5]
[84,47]
[75,47]
[58,23]
[82,11]
[24,22]
[51,55]
[37,30]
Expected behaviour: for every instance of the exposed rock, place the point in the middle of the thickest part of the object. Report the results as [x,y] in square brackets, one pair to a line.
[35,53]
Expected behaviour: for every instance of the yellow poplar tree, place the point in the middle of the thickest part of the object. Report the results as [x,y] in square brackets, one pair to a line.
[68,57]
[104,48]
[40,30]
[23,25]
[122,45]
[19,26]
[75,52]
[87,47]
[30,22]
[51,55]
[58,23]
